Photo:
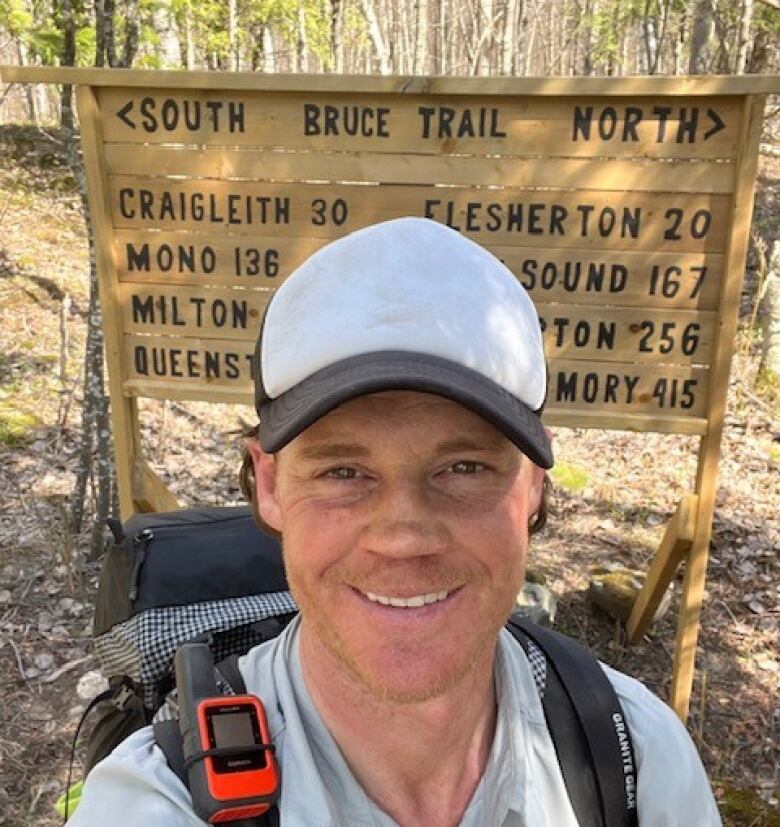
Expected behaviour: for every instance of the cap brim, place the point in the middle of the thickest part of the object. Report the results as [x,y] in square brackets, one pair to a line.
[283,418]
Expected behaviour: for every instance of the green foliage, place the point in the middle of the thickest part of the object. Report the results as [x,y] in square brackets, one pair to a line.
[15,18]
[614,18]
[85,46]
[15,425]
[745,808]
[766,19]
[46,43]
[570,477]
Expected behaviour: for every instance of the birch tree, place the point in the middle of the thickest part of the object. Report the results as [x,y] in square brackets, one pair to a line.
[745,19]
[769,369]
[378,40]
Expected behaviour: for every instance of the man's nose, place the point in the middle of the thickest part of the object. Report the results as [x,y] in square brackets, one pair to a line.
[403,522]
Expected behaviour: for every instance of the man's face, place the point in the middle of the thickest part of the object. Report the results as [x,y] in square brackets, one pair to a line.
[411,500]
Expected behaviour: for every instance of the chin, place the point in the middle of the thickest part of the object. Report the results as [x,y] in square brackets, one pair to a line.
[408,676]
[405,686]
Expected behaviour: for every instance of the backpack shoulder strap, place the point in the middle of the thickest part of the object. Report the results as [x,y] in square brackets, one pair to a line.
[168,738]
[231,674]
[588,729]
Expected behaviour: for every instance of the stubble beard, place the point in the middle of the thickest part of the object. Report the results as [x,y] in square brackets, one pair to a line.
[473,653]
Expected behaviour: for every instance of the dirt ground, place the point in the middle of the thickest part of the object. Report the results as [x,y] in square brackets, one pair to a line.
[614,494]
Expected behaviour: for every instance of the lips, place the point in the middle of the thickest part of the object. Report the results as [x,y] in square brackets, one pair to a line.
[413,602]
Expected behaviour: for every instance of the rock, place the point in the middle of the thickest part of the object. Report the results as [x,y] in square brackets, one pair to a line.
[537,603]
[44,661]
[5,596]
[91,684]
[614,589]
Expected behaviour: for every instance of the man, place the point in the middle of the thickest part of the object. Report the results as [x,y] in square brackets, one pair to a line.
[400,454]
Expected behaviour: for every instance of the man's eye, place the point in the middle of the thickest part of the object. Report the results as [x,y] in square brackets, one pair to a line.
[466,466]
[341,473]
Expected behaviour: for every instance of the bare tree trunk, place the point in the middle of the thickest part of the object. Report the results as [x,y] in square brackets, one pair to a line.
[67,58]
[420,63]
[32,109]
[677,45]
[95,456]
[377,38]
[232,32]
[483,37]
[269,61]
[700,38]
[402,38]
[130,46]
[591,9]
[389,14]
[440,39]
[760,53]
[104,463]
[100,33]
[650,40]
[109,10]
[507,37]
[337,35]
[661,37]
[301,46]
[189,41]
[744,37]
[549,40]
[518,49]
[770,320]
[530,38]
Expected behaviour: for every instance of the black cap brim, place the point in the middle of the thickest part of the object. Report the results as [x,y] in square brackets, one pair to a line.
[283,418]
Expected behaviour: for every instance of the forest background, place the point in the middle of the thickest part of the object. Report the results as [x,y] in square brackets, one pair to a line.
[612,495]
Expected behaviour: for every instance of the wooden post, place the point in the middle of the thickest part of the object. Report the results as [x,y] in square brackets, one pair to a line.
[149,492]
[674,546]
[709,449]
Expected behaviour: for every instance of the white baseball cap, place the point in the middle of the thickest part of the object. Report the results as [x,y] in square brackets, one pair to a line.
[406,304]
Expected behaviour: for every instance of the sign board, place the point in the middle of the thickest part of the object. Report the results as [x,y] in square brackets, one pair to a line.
[614,214]
[623,206]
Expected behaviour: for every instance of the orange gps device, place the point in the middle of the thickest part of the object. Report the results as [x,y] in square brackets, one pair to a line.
[228,754]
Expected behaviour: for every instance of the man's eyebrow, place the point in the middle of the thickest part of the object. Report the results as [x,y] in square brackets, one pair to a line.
[333,450]
[454,446]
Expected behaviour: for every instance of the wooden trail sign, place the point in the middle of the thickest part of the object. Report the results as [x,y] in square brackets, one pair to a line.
[622,205]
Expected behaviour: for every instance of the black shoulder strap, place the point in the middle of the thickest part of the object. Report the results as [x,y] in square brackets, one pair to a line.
[588,729]
[168,738]
[231,674]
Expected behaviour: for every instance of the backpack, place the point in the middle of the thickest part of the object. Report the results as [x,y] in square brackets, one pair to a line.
[211,575]
[205,574]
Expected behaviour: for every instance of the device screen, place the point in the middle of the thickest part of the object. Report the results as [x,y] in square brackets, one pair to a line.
[235,728]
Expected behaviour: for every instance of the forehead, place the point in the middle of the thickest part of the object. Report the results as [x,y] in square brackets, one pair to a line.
[380,418]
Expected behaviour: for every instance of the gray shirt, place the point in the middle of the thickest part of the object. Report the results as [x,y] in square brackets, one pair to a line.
[521,787]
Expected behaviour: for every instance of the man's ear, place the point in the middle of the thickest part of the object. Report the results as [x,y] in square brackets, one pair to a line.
[536,488]
[265,485]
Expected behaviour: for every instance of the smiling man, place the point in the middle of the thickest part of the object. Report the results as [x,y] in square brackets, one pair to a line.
[400,455]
